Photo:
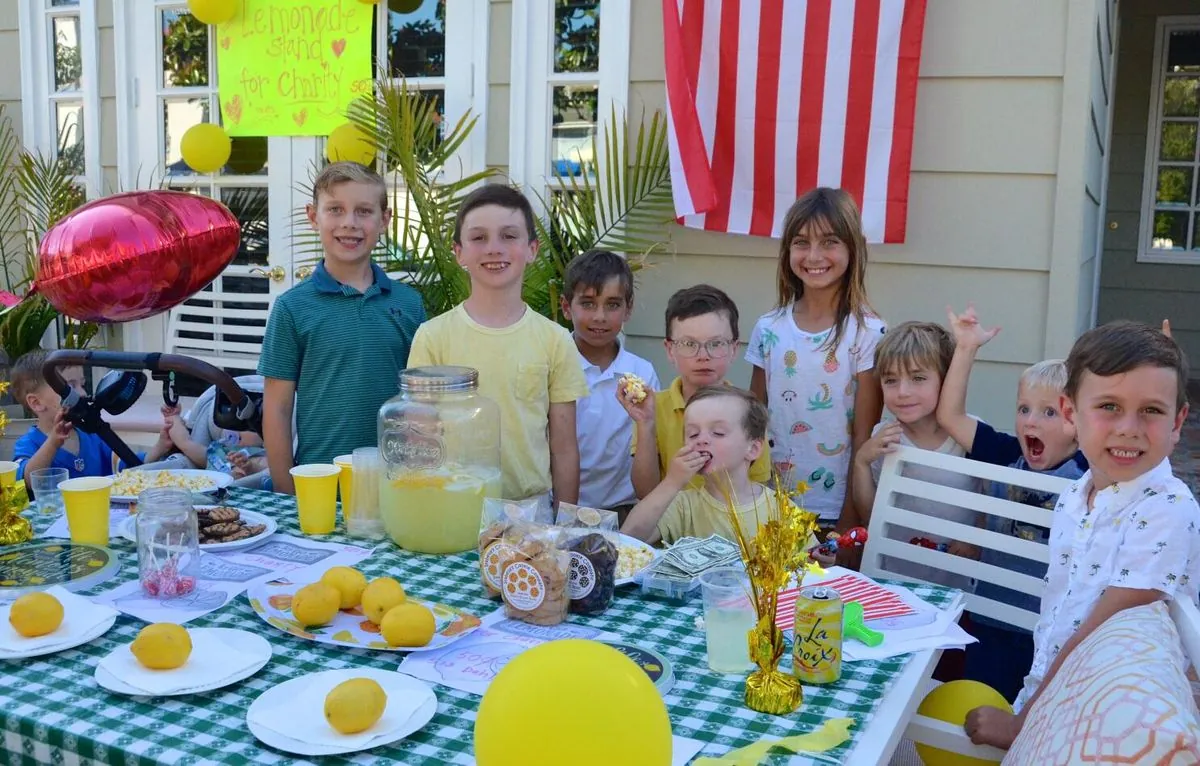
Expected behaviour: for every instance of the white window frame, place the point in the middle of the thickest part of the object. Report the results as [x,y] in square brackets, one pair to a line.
[1146,254]
[38,97]
[533,76]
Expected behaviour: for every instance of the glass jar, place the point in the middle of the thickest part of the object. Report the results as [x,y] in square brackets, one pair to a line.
[439,441]
[168,542]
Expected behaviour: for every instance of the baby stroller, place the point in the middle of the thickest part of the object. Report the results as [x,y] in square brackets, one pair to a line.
[233,408]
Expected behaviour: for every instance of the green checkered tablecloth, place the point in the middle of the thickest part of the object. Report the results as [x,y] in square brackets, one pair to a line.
[52,711]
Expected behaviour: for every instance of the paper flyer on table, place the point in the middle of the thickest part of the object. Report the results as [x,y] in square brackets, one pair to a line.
[223,576]
[471,663]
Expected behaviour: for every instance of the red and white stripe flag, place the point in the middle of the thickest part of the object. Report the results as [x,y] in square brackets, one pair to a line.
[878,602]
[767,99]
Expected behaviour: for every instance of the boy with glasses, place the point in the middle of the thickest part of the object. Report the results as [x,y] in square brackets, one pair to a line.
[702,335]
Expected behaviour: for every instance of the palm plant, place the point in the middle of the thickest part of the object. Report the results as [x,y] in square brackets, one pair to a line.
[36,192]
[624,208]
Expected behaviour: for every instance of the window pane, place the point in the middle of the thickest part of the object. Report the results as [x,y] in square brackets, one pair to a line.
[1178,141]
[58,3]
[184,50]
[248,156]
[179,114]
[249,205]
[1183,51]
[577,36]
[1174,186]
[576,112]
[69,119]
[417,38]
[1196,231]
[68,65]
[1170,230]
[1181,97]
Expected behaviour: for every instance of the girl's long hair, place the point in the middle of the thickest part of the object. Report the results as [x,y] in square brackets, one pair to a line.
[833,210]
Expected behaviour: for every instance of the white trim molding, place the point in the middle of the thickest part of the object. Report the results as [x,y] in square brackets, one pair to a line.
[1146,252]
[532,79]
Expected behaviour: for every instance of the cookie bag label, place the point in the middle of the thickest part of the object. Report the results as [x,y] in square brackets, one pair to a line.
[523,586]
[490,562]
[581,577]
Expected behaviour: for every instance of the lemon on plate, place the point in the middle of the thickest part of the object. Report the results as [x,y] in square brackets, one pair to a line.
[355,705]
[36,614]
[349,582]
[316,604]
[380,596]
[408,624]
[162,646]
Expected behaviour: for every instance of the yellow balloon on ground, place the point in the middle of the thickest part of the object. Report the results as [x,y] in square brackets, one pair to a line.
[349,144]
[950,702]
[213,11]
[206,147]
[615,714]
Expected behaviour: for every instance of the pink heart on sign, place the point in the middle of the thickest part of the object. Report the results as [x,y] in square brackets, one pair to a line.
[338,47]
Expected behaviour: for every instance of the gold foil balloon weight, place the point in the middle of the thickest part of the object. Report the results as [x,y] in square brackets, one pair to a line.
[768,689]
[14,528]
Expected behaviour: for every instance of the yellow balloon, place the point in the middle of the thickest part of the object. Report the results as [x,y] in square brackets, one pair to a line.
[404,6]
[589,705]
[951,702]
[213,11]
[348,143]
[206,147]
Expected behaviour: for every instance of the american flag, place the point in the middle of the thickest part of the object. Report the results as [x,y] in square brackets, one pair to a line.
[767,99]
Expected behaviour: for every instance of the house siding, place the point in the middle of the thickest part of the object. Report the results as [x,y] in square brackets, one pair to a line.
[10,84]
[1145,291]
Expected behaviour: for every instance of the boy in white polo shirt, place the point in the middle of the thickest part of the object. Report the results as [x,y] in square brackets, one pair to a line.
[598,299]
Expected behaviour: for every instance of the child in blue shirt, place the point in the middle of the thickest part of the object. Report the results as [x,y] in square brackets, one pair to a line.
[54,442]
[1044,443]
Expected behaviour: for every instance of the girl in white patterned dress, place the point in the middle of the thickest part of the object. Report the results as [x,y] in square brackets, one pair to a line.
[813,354]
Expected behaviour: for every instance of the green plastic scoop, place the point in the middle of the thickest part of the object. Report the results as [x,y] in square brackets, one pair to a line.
[853,626]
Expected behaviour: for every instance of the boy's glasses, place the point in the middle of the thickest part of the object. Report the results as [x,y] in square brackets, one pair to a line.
[716,348]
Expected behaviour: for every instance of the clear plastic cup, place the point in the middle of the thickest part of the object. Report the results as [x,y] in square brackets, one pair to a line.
[362,514]
[46,494]
[728,618]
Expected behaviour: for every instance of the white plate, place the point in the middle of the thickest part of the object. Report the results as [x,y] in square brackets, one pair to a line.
[100,629]
[128,530]
[241,640]
[655,552]
[393,683]
[215,480]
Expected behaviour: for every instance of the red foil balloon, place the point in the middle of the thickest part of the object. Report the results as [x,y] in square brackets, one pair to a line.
[133,255]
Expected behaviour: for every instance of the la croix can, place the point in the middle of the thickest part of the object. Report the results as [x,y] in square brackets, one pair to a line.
[817,638]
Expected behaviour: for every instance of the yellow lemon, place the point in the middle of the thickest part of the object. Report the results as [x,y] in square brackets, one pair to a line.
[36,614]
[162,646]
[349,582]
[355,705]
[316,604]
[381,595]
[408,624]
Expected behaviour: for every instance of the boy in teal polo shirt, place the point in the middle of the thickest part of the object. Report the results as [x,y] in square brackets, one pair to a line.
[335,343]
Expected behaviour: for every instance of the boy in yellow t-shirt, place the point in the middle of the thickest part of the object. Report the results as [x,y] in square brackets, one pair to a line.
[527,364]
[724,431]
[702,335]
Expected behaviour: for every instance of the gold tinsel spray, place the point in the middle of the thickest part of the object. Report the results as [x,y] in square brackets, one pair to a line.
[778,551]
[14,528]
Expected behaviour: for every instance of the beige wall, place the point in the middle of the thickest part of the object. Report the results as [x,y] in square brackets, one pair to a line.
[10,80]
[1128,289]
[990,218]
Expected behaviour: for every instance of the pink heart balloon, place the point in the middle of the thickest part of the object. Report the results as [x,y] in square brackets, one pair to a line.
[134,255]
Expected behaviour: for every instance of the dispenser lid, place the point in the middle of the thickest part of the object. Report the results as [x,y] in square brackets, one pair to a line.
[439,379]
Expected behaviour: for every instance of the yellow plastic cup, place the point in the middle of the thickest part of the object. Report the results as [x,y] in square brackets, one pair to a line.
[316,497]
[86,501]
[8,473]
[345,480]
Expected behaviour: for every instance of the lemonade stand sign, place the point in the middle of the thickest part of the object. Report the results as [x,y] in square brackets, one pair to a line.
[291,67]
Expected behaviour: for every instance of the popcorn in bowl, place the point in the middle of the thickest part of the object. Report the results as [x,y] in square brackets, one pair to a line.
[633,388]
[133,482]
[632,559]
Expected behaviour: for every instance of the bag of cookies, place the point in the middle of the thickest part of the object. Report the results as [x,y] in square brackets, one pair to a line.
[496,535]
[588,519]
[533,576]
[592,572]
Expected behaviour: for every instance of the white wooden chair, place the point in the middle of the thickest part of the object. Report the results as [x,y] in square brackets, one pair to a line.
[885,514]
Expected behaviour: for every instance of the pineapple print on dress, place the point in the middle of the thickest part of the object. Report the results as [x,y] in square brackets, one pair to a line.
[831,362]
[789,363]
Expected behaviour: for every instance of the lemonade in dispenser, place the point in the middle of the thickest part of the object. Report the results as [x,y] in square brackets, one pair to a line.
[439,440]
